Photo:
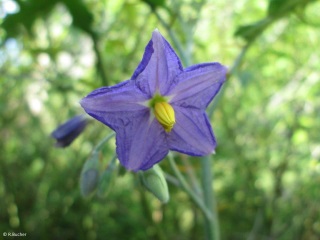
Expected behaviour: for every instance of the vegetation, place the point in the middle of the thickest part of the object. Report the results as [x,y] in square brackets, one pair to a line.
[266,119]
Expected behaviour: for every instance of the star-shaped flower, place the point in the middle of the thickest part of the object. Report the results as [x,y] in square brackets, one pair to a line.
[161,108]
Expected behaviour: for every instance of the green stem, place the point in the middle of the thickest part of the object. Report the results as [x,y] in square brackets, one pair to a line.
[239,59]
[103,141]
[212,224]
[100,65]
[198,201]
[212,227]
[231,72]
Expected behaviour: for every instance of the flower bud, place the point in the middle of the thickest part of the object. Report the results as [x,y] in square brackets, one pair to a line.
[106,180]
[154,180]
[90,175]
[70,130]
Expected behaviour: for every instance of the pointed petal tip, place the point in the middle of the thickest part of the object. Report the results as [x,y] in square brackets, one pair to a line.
[83,103]
[225,68]
[156,35]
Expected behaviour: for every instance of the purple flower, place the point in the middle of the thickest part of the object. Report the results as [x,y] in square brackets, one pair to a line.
[161,108]
[70,130]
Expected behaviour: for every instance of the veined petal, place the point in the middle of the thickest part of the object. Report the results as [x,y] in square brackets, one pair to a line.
[192,133]
[158,68]
[198,85]
[115,106]
[141,144]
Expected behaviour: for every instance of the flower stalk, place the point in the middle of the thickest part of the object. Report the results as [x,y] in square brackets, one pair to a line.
[103,141]
[194,197]
[212,224]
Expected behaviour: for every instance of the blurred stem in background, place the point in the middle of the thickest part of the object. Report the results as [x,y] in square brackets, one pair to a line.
[100,63]
[212,225]
[185,186]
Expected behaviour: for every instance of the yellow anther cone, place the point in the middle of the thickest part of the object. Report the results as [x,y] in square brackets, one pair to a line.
[164,113]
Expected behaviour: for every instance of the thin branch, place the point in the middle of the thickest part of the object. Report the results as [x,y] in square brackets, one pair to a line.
[212,225]
[100,65]
[103,141]
[188,190]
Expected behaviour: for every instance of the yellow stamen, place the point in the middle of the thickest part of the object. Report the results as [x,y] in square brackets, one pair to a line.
[164,113]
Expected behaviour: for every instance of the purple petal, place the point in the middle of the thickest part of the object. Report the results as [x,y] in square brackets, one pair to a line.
[141,144]
[197,85]
[192,133]
[158,68]
[115,106]
[148,51]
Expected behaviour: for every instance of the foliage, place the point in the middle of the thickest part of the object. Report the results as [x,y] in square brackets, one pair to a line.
[266,121]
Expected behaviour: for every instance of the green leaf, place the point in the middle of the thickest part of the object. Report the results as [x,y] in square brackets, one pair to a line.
[277,6]
[282,7]
[155,3]
[251,31]
[33,9]
[276,9]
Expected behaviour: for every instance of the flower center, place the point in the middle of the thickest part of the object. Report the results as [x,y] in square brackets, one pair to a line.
[164,113]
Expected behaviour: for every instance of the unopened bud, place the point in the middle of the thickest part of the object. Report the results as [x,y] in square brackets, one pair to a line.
[154,180]
[106,180]
[90,175]
[66,133]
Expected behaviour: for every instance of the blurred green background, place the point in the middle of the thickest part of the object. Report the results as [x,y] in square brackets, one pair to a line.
[266,119]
